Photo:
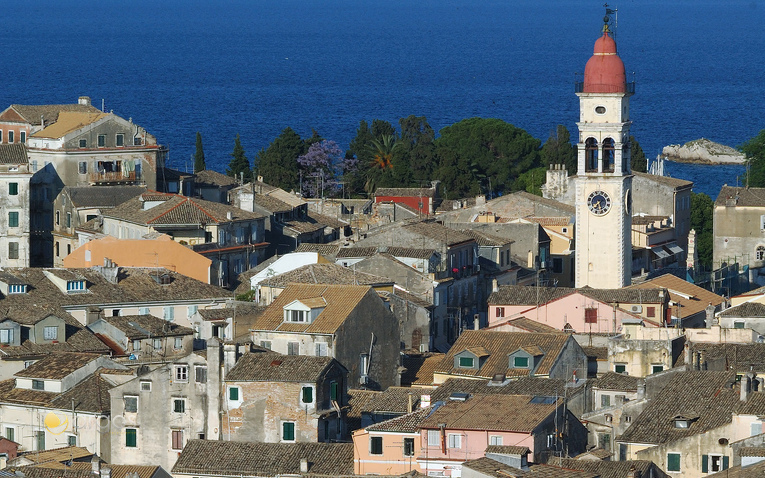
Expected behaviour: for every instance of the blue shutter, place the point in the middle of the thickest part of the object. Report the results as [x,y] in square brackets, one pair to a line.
[725,463]
[704,463]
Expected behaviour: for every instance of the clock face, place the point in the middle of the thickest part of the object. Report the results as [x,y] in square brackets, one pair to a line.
[599,203]
[628,203]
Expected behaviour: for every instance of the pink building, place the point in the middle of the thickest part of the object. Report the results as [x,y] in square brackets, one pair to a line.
[580,310]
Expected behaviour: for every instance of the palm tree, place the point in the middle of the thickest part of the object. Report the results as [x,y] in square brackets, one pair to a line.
[382,151]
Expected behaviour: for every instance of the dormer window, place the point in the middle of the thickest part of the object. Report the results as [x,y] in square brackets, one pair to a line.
[17,288]
[74,286]
[467,362]
[471,358]
[682,423]
[304,311]
[520,362]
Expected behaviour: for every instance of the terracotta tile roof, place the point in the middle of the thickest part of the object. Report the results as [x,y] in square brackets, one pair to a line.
[272,367]
[303,226]
[494,468]
[419,368]
[13,154]
[409,252]
[341,301]
[177,210]
[89,395]
[499,345]
[241,309]
[549,471]
[745,197]
[56,366]
[673,182]
[731,356]
[752,451]
[606,468]
[508,449]
[530,325]
[208,177]
[68,122]
[271,204]
[33,113]
[528,295]
[327,274]
[147,326]
[548,387]
[551,221]
[327,221]
[224,458]
[438,232]
[749,471]
[700,297]
[408,423]
[83,470]
[516,413]
[327,250]
[617,381]
[706,395]
[393,400]
[405,192]
[57,454]
[484,239]
[356,252]
[102,196]
[747,309]
[598,353]
[357,401]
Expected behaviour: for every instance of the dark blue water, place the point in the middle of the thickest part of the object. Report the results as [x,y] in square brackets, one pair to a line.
[254,67]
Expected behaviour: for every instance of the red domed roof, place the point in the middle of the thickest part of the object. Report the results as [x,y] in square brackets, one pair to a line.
[604,72]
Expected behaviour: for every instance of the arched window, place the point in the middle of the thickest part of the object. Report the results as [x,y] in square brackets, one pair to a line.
[760,253]
[608,155]
[626,160]
[591,155]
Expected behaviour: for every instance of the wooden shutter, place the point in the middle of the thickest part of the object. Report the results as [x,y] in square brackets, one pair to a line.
[590,316]
[704,463]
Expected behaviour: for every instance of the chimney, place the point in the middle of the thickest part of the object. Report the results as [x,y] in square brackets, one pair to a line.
[641,389]
[746,385]
[95,465]
[214,380]
[480,200]
[710,316]
[476,322]
[106,472]
[229,215]
[83,100]
[303,465]
[633,473]
[409,404]
[229,357]
[494,285]
[760,381]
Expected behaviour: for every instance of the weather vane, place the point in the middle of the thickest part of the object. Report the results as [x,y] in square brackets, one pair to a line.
[609,22]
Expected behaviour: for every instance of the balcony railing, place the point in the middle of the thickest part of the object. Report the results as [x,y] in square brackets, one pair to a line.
[629,87]
[114,177]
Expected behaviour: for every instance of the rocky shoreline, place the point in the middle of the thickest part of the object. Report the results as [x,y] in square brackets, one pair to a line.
[703,151]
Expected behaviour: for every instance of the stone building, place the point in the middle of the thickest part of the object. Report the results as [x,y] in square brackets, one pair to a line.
[739,230]
[15,177]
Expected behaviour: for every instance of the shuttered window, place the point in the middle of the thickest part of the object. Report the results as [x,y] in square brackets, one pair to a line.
[177,439]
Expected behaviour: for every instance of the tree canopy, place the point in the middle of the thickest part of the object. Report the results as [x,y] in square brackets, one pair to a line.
[754,150]
[559,150]
[199,155]
[278,163]
[239,165]
[638,161]
[323,166]
[702,212]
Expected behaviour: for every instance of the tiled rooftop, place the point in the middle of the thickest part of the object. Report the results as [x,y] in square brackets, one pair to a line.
[56,366]
[408,423]
[678,289]
[147,326]
[271,367]
[15,153]
[175,210]
[617,381]
[102,196]
[327,274]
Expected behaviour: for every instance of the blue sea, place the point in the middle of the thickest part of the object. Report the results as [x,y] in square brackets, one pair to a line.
[255,67]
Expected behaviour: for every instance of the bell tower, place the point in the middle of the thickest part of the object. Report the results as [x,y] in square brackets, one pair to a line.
[604,178]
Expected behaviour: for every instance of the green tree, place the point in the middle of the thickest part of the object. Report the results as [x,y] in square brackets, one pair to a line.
[278,163]
[559,150]
[199,155]
[416,154]
[702,209]
[239,164]
[373,149]
[532,180]
[754,150]
[638,161]
[479,151]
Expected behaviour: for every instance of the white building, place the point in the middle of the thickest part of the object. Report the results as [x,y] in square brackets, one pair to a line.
[14,205]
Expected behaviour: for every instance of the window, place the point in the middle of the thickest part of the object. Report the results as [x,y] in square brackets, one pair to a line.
[10,433]
[6,336]
[74,285]
[58,218]
[182,373]
[605,400]
[157,344]
[83,167]
[288,431]
[69,219]
[657,368]
[131,404]
[557,265]
[101,140]
[713,463]
[119,140]
[200,374]
[620,368]
[520,362]
[651,311]
[434,438]
[17,288]
[760,253]
[500,311]
[178,343]
[146,386]
[191,311]
[50,333]
[307,394]
[169,313]
[13,189]
[83,144]
[177,436]
[13,250]
[333,389]
[466,362]
[739,324]
[136,345]
[408,446]
[266,344]
[293,348]
[131,439]
[40,438]
[143,311]
[673,461]
[233,394]
[375,445]
[179,405]
[495,440]
[296,316]
[455,440]
[13,219]
[10,136]
[321,349]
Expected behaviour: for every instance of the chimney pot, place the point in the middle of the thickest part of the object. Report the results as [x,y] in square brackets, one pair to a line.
[303,465]
[83,100]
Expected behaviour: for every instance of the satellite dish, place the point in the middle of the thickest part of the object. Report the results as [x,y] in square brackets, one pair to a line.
[132,357]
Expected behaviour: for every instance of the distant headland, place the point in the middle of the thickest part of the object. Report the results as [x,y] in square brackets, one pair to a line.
[703,151]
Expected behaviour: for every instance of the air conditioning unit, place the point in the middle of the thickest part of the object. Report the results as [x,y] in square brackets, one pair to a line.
[637,309]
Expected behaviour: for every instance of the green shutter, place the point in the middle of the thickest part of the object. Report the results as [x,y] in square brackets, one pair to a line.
[333,391]
[704,463]
[725,463]
[673,461]
[130,437]
[233,394]
[307,394]
[288,431]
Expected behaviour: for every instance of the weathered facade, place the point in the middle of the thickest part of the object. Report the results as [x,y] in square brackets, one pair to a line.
[15,210]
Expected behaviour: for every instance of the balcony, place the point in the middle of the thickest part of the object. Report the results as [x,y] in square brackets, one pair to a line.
[114,177]
[629,87]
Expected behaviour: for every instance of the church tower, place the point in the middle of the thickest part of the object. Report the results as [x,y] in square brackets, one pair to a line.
[604,179]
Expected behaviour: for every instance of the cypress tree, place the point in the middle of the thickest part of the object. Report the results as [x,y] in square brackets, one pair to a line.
[239,162]
[199,155]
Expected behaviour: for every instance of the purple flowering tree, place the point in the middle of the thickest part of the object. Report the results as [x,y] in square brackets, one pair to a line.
[322,169]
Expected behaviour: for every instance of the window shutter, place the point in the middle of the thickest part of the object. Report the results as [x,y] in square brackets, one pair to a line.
[590,316]
[725,463]
[307,394]
[704,463]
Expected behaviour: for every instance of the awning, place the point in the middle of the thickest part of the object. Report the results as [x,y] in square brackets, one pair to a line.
[675,248]
[660,253]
